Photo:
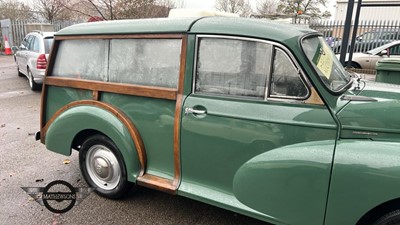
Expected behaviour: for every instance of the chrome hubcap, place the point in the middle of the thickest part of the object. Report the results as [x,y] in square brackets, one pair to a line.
[103,167]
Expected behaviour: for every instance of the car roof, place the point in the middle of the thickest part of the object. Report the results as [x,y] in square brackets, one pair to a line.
[383,47]
[207,25]
[43,34]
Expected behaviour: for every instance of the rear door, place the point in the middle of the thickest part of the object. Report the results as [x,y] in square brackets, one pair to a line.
[250,99]
[22,54]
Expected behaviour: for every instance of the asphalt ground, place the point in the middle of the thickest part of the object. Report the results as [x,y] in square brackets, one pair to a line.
[25,162]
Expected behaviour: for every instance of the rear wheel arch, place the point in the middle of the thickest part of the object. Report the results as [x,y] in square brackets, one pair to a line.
[89,121]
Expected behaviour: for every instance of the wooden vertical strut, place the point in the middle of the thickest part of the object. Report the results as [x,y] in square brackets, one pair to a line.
[159,183]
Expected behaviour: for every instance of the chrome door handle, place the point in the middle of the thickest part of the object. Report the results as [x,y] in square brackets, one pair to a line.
[194,111]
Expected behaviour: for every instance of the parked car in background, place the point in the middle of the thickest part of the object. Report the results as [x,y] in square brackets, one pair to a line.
[368,59]
[31,57]
[369,40]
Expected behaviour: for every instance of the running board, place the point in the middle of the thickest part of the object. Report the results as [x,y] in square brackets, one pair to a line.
[157,183]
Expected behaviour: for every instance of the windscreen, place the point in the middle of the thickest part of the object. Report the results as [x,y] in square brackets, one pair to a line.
[325,63]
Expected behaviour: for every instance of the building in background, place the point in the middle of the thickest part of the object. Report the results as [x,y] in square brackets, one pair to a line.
[369,13]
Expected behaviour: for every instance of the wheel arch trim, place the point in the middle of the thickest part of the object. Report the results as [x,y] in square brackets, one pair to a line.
[68,113]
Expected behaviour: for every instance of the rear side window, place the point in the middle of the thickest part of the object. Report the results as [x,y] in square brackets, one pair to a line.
[82,59]
[148,62]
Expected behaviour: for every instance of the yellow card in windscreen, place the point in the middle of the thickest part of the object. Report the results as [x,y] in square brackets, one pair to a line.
[325,61]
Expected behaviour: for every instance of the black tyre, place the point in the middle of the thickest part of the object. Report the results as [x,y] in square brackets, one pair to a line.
[103,167]
[19,72]
[391,218]
[34,86]
[353,65]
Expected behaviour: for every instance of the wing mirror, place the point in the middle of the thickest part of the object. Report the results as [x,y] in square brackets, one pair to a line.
[383,52]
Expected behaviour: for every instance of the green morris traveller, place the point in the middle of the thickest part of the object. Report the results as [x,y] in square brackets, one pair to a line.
[248,115]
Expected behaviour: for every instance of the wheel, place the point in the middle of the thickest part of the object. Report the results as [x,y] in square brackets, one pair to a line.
[391,218]
[353,65]
[34,86]
[103,167]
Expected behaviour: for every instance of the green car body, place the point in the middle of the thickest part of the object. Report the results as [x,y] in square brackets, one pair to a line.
[329,155]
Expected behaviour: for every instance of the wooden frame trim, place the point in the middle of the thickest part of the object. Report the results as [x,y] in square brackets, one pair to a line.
[314,98]
[43,103]
[120,36]
[135,135]
[178,112]
[159,183]
[128,89]
[95,95]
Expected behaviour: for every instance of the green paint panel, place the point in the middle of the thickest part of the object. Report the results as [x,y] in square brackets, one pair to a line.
[281,181]
[214,146]
[58,97]
[365,175]
[378,120]
[154,118]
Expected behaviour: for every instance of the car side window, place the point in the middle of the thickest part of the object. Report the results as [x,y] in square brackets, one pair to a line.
[24,44]
[242,68]
[394,50]
[149,62]
[87,59]
[29,42]
[285,79]
[36,45]
[232,67]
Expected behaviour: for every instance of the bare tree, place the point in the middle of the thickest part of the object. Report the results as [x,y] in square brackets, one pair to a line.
[50,9]
[122,9]
[267,7]
[309,7]
[11,9]
[241,7]
[326,14]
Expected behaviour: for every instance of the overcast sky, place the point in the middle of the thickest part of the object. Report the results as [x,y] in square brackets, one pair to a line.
[209,4]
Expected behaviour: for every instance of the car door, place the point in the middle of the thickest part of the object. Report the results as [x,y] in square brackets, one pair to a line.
[33,52]
[251,101]
[22,54]
[392,52]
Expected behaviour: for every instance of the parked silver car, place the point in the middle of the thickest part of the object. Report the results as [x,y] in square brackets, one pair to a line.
[31,57]
[369,40]
[367,60]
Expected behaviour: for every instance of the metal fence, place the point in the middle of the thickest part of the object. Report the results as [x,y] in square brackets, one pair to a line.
[370,33]
[16,30]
